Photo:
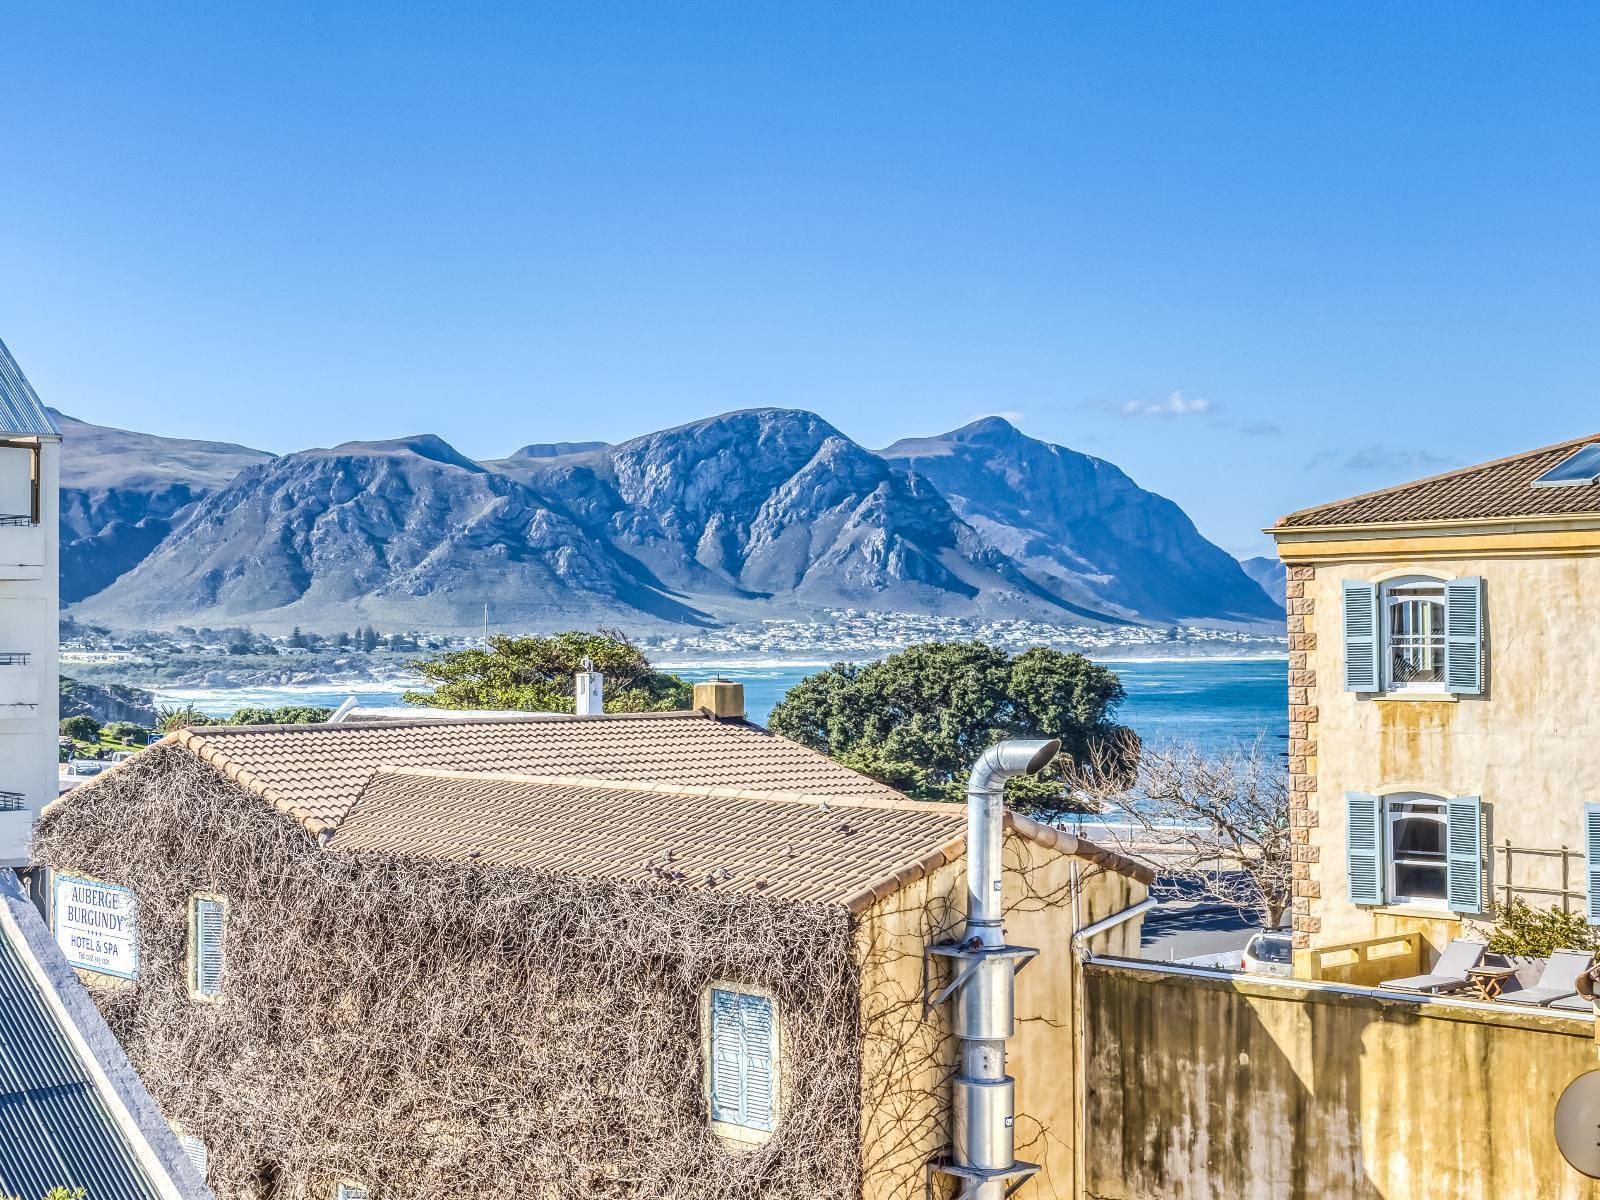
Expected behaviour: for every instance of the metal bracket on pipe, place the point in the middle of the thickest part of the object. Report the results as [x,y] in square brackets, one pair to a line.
[972,1178]
[969,961]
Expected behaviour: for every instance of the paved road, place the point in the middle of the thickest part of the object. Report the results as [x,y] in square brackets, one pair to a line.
[1182,929]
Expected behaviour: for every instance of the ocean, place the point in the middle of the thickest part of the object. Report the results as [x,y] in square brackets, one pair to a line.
[1214,703]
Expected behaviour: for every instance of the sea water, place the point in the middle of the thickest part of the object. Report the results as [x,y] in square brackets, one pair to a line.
[1213,703]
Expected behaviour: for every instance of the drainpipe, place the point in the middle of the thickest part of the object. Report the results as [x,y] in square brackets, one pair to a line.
[984,1145]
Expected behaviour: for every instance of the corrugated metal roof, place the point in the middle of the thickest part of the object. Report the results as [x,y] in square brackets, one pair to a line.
[20,410]
[55,1129]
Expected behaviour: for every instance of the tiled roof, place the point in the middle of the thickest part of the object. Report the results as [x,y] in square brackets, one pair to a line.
[315,772]
[20,410]
[789,847]
[1494,489]
[794,848]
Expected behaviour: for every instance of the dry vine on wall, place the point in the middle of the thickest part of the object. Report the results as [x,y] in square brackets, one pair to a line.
[435,1030]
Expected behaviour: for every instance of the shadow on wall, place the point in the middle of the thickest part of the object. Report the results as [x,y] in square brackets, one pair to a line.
[1209,1088]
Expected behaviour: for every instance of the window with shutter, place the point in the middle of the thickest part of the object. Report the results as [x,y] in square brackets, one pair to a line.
[1591,848]
[350,1191]
[1464,853]
[742,1059]
[1364,847]
[206,922]
[1464,636]
[1360,636]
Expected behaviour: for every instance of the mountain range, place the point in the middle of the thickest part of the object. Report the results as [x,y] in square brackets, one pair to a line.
[753,514]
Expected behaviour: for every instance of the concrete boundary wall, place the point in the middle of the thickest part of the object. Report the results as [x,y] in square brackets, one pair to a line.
[1202,1086]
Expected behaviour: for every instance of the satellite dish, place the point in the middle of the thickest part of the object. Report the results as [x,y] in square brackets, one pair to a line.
[1578,1124]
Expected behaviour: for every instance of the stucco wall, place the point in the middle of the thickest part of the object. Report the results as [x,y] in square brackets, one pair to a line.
[907,1063]
[1527,746]
[1241,1090]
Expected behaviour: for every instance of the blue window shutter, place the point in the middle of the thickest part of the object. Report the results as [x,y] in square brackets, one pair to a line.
[1591,851]
[742,1043]
[727,1058]
[208,927]
[1463,636]
[757,1022]
[1361,641]
[1464,854]
[1364,842]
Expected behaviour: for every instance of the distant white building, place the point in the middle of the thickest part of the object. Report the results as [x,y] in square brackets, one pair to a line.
[30,446]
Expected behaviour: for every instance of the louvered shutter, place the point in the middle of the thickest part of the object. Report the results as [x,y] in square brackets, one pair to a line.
[350,1191]
[1591,851]
[1464,854]
[208,928]
[1361,639]
[756,1014]
[727,1058]
[199,1158]
[1364,844]
[1463,636]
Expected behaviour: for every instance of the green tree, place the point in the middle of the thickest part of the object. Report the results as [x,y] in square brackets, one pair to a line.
[297,639]
[124,731]
[536,674]
[1520,928]
[918,719]
[367,639]
[82,728]
[59,1193]
[169,720]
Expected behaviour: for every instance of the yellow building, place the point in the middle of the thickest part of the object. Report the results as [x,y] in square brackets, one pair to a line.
[1443,675]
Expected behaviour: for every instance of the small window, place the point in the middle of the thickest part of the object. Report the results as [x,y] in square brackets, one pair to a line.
[1414,635]
[207,918]
[350,1191]
[742,1062]
[1419,871]
[196,1152]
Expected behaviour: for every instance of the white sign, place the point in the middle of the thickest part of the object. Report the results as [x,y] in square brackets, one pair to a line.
[97,926]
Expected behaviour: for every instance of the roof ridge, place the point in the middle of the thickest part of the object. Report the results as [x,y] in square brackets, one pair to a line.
[725,792]
[1456,473]
[532,718]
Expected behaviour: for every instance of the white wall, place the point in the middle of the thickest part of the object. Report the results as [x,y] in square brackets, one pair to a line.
[29,601]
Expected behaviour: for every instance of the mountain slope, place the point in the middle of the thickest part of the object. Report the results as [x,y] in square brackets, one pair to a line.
[408,532]
[1270,573]
[775,509]
[122,492]
[1082,527]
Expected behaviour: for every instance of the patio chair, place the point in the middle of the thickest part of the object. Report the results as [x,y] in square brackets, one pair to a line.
[1449,973]
[1555,981]
[1573,1003]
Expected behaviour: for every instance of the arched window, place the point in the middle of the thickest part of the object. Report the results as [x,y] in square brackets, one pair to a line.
[1419,870]
[1414,633]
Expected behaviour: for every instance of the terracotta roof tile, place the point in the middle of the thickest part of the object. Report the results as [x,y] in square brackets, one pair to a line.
[315,772]
[1495,489]
[707,839]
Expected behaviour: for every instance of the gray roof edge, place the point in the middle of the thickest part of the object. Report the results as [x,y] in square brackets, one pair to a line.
[151,1139]
[21,411]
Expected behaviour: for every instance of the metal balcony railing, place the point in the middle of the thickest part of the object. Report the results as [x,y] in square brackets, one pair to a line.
[14,658]
[11,801]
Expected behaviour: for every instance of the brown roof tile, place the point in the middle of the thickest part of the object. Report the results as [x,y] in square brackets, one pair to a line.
[1495,489]
[703,838]
[315,772]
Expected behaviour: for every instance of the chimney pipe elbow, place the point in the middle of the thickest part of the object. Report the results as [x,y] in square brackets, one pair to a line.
[1015,756]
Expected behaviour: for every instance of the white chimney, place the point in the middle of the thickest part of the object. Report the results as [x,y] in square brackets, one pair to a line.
[591,691]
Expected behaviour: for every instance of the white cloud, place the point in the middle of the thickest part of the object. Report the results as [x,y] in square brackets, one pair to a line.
[1381,459]
[1175,405]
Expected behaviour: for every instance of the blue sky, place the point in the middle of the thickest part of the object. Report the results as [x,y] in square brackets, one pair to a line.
[1259,255]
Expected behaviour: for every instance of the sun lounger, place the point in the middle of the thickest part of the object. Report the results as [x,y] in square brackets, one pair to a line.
[1555,981]
[1449,973]
[1573,1003]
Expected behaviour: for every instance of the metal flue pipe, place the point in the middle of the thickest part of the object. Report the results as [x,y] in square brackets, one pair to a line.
[984,1139]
